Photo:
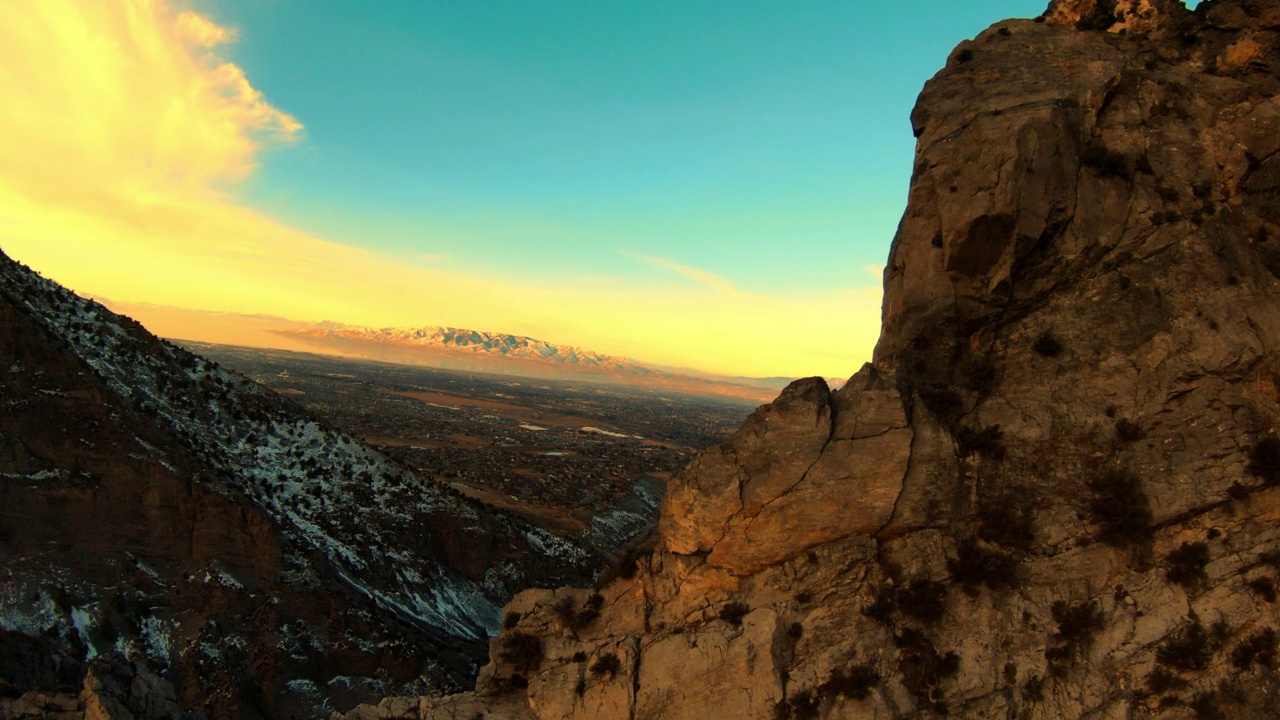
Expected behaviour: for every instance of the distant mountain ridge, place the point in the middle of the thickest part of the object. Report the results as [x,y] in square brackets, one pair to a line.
[478,341]
[504,353]
[447,348]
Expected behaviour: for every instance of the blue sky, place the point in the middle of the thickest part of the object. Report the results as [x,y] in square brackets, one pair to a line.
[699,184]
[765,142]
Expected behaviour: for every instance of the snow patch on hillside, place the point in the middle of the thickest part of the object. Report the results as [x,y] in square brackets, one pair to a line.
[323,488]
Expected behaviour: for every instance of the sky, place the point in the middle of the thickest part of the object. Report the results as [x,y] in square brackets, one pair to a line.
[711,184]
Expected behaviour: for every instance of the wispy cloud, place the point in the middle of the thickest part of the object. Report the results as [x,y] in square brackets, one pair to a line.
[701,278]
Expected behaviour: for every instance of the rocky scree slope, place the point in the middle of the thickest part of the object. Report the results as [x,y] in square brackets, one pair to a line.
[165,522]
[1054,493]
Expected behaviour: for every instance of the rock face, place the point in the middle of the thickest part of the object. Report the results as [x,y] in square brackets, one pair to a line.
[1054,492]
[811,467]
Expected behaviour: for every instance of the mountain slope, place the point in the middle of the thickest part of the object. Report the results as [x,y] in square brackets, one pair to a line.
[153,499]
[1054,493]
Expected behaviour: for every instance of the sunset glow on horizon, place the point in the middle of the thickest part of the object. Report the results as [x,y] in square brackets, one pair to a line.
[146,163]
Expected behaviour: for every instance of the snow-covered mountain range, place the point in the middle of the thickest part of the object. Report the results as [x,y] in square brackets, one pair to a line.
[479,342]
[446,348]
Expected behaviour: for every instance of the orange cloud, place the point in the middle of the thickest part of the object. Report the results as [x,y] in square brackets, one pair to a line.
[123,101]
[123,128]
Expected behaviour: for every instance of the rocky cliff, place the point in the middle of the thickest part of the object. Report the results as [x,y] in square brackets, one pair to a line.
[1054,491]
[177,539]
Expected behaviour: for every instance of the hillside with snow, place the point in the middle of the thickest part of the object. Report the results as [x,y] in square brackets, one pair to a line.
[133,458]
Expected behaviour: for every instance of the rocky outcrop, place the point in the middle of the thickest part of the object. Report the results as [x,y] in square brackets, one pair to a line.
[1116,16]
[810,468]
[1054,491]
[112,691]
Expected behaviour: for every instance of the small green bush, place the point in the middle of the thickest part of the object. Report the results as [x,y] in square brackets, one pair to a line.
[522,651]
[628,563]
[985,442]
[1219,633]
[1008,519]
[974,566]
[924,600]
[733,613]
[1128,431]
[1186,649]
[1264,460]
[1264,587]
[1142,164]
[1205,706]
[943,403]
[979,375]
[606,663]
[802,706]
[1033,691]
[1047,345]
[575,619]
[911,640]
[882,607]
[1185,566]
[1259,648]
[854,683]
[1077,624]
[1120,508]
[1161,681]
[1101,18]
[923,668]
[1106,161]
